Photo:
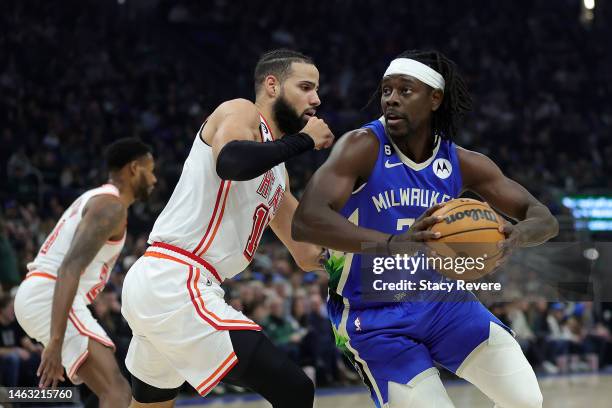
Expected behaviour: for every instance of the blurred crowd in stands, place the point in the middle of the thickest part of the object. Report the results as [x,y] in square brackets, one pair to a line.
[73,78]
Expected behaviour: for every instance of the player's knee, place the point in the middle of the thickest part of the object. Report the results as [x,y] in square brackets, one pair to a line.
[526,398]
[425,390]
[117,392]
[501,371]
[524,391]
[114,398]
[124,388]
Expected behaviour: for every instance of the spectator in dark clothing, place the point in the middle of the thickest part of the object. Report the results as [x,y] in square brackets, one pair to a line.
[283,331]
[327,357]
[19,356]
[9,273]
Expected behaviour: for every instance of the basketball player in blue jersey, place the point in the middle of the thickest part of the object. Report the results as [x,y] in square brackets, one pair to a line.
[408,155]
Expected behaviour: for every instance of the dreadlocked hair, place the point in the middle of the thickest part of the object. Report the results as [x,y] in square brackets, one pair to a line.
[457,100]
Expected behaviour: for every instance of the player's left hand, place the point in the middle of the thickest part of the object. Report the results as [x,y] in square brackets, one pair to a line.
[507,246]
[50,369]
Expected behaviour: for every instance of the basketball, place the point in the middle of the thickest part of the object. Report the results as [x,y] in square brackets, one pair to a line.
[467,247]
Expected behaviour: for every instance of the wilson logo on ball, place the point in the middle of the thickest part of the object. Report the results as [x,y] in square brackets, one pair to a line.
[474,214]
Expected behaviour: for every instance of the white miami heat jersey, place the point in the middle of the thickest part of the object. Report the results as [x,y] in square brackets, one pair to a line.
[220,221]
[52,253]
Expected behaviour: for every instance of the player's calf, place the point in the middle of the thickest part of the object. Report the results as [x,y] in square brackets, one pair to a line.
[101,374]
[267,371]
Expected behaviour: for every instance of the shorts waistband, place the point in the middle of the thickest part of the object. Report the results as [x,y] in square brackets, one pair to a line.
[174,253]
[41,275]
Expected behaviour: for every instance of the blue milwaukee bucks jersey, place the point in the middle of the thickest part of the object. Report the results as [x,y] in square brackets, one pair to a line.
[398,340]
[397,192]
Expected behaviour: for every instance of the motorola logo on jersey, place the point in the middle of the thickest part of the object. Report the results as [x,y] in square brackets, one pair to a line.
[442,168]
[473,214]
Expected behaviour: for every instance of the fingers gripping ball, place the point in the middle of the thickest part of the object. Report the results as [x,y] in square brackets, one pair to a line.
[469,233]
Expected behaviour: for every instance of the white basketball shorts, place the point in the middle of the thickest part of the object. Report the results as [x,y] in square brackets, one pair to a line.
[180,322]
[33,304]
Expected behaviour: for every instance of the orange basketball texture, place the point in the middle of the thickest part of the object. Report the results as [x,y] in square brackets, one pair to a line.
[469,229]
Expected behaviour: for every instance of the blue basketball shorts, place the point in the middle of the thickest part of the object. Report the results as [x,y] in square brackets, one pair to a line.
[398,341]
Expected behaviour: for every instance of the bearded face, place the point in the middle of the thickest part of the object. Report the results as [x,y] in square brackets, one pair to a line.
[288,119]
[143,189]
[145,179]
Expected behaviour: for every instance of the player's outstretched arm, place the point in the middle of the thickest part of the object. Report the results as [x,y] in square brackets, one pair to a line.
[239,156]
[317,219]
[536,224]
[308,257]
[104,217]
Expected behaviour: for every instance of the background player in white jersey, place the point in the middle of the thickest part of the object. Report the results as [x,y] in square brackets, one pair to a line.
[73,266]
[233,185]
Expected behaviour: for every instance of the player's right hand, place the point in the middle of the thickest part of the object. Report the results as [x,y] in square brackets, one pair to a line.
[318,130]
[50,369]
[418,232]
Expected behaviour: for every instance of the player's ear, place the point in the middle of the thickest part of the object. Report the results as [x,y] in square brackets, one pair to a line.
[133,166]
[271,86]
[437,96]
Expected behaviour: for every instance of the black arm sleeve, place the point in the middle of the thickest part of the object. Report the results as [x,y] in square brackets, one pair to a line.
[244,159]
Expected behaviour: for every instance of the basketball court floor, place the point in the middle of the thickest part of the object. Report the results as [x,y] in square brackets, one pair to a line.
[577,391]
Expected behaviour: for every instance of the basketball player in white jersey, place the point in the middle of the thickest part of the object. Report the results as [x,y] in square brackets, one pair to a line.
[233,185]
[72,268]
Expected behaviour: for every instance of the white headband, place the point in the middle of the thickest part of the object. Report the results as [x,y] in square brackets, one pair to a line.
[420,71]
